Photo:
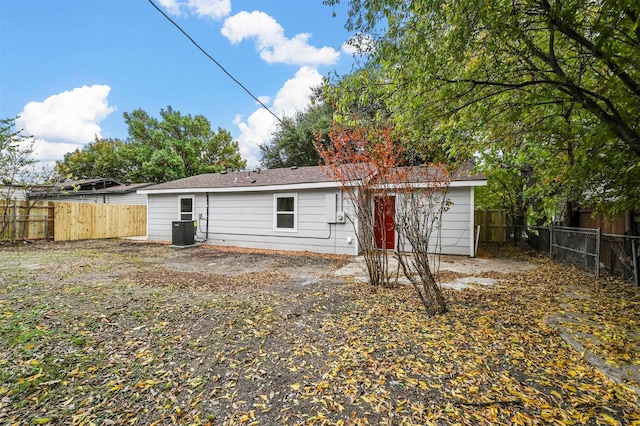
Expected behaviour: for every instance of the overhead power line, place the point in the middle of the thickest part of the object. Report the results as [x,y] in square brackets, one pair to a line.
[215,62]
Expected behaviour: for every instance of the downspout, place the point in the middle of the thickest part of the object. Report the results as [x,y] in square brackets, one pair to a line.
[206,232]
[14,237]
[472,236]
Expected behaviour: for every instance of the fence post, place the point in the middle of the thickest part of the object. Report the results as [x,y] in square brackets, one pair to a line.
[598,237]
[634,252]
[14,237]
[551,240]
[587,255]
[46,224]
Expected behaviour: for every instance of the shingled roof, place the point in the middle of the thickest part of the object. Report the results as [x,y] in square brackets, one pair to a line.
[269,177]
[73,188]
[263,178]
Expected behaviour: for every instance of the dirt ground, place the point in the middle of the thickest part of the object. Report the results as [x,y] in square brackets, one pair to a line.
[115,332]
[303,268]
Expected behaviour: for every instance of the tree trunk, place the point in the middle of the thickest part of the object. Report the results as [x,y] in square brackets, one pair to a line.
[571,214]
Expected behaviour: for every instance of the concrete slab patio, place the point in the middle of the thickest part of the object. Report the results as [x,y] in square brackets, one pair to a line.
[458,264]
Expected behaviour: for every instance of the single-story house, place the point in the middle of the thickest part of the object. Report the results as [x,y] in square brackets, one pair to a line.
[298,208]
[98,190]
[9,191]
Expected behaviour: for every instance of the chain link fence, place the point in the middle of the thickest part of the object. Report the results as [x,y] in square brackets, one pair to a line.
[586,249]
[579,247]
[619,256]
[539,238]
[589,250]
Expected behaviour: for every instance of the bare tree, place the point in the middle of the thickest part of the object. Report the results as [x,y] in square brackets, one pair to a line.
[359,158]
[422,199]
[365,162]
[15,164]
[19,174]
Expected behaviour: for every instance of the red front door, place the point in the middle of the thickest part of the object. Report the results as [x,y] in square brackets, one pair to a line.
[385,211]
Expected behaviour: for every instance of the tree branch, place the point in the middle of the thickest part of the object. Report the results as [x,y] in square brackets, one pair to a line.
[583,96]
[570,32]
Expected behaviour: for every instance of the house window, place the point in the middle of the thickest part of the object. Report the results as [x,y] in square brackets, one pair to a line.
[285,212]
[186,208]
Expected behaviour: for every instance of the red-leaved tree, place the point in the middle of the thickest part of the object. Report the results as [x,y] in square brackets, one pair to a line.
[358,157]
[367,163]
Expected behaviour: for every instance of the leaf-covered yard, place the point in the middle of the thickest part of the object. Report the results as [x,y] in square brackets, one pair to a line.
[116,332]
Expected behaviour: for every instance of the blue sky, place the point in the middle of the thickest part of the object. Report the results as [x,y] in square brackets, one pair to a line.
[71,68]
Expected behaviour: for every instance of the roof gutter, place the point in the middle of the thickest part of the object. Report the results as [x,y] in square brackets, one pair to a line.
[292,187]
[289,187]
[452,184]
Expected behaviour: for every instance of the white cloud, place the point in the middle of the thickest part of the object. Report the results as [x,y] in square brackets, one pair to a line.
[254,132]
[294,94]
[66,121]
[271,42]
[258,128]
[216,9]
[172,6]
[49,152]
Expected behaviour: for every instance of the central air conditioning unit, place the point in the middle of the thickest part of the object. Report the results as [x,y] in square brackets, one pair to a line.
[183,232]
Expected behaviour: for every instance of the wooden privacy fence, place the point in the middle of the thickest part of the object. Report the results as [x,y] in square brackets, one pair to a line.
[72,221]
[84,221]
[492,225]
[18,221]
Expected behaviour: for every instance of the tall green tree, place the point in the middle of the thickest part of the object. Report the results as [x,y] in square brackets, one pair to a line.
[100,158]
[176,146]
[293,141]
[460,73]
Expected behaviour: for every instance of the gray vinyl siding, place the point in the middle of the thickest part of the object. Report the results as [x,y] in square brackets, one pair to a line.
[128,199]
[453,235]
[12,193]
[456,230]
[161,211]
[246,219]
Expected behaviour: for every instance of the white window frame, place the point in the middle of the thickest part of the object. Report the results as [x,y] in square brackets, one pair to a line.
[295,212]
[193,206]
